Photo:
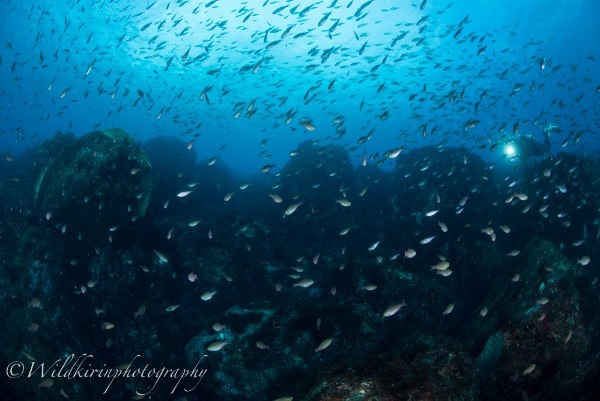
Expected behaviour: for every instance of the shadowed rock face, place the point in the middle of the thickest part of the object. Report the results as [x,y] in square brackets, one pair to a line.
[428,178]
[544,331]
[98,181]
[318,174]
[173,166]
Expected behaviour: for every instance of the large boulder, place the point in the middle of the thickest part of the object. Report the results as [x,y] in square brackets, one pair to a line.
[319,178]
[94,185]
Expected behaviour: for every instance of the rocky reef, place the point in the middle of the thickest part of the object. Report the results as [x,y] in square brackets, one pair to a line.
[323,281]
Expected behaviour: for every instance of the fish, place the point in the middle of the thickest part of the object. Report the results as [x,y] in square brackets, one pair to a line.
[216,346]
[46,383]
[324,19]
[107,326]
[410,253]
[65,92]
[373,246]
[227,197]
[161,256]
[287,31]
[207,296]
[344,202]
[470,124]
[218,327]
[35,303]
[443,226]
[362,49]
[448,309]
[304,283]
[276,198]
[324,345]
[171,308]
[292,208]
[583,261]
[140,312]
[568,336]
[331,84]
[542,301]
[487,230]
[427,240]
[261,345]
[186,54]
[308,125]
[505,229]
[279,9]
[395,152]
[529,369]
[441,265]
[169,61]
[369,287]
[393,309]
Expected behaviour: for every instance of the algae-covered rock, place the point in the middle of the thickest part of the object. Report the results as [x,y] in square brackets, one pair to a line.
[545,259]
[102,179]
[443,372]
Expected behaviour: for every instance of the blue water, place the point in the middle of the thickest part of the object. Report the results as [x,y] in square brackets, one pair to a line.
[102,52]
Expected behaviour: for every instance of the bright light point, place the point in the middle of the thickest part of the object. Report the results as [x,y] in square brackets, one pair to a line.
[509,150]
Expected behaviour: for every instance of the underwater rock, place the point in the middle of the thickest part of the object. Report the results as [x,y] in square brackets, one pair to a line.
[442,372]
[321,181]
[99,181]
[271,342]
[207,187]
[547,335]
[316,174]
[568,186]
[452,174]
[210,270]
[242,363]
[491,354]
[173,167]
[169,156]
